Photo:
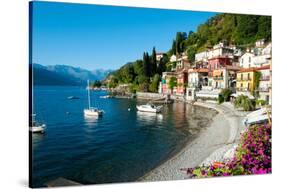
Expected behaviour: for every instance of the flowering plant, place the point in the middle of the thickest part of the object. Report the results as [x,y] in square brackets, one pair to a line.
[252,156]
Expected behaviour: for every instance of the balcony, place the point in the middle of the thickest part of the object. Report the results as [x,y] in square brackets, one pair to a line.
[264,89]
[244,79]
[242,89]
[265,78]
[218,78]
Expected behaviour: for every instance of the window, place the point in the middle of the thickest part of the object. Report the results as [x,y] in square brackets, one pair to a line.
[241,76]
[248,76]
[249,59]
[189,93]
[241,85]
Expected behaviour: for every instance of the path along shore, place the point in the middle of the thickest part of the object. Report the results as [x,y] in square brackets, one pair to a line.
[216,143]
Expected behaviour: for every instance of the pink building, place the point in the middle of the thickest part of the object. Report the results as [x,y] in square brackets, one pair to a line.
[219,62]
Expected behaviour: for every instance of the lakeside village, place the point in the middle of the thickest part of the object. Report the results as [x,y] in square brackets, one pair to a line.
[222,68]
[219,74]
[226,73]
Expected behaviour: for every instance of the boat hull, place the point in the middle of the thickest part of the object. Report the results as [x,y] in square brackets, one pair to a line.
[37,129]
[88,112]
[139,108]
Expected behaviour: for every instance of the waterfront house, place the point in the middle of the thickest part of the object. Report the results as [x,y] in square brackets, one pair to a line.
[264,83]
[225,77]
[201,56]
[166,76]
[173,58]
[159,56]
[246,60]
[262,59]
[182,79]
[245,81]
[198,77]
[220,50]
[219,62]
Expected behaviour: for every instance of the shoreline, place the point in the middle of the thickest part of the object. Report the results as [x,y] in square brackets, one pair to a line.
[215,143]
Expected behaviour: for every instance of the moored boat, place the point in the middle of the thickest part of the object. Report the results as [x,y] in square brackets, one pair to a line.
[149,108]
[91,111]
[36,127]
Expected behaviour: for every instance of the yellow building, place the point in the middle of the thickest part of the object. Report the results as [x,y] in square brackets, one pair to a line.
[245,81]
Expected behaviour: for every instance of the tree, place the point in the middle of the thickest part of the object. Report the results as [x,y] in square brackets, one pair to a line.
[174,47]
[162,64]
[153,62]
[172,83]
[146,64]
[153,87]
[257,76]
[96,83]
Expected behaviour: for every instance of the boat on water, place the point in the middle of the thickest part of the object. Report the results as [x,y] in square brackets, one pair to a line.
[149,108]
[106,96]
[36,127]
[91,111]
[73,97]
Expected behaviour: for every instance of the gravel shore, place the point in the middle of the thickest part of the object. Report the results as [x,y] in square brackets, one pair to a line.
[215,143]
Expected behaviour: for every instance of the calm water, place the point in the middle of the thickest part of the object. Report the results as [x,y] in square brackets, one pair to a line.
[121,146]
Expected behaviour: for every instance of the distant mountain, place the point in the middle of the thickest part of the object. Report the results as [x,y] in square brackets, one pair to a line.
[65,75]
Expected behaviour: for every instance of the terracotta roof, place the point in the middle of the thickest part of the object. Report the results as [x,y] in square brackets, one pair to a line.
[247,70]
[220,57]
[200,70]
[264,67]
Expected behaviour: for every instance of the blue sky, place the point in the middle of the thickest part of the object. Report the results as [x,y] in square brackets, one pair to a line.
[95,36]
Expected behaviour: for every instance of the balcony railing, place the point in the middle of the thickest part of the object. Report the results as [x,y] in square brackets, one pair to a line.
[242,89]
[265,78]
[244,79]
[218,78]
[263,89]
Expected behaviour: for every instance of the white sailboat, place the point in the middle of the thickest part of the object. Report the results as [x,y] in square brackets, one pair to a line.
[36,127]
[91,111]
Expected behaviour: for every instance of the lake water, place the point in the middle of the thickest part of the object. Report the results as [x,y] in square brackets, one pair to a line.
[121,146]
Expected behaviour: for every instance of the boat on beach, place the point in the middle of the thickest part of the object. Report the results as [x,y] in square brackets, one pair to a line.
[36,127]
[149,108]
[259,116]
[91,111]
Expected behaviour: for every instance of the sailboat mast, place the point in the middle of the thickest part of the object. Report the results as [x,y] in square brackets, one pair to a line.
[89,97]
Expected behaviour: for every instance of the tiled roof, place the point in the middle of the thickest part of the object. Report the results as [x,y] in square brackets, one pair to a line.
[247,70]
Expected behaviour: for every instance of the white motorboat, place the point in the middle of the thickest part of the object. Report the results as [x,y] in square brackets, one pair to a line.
[91,111]
[149,108]
[106,96]
[72,97]
[36,127]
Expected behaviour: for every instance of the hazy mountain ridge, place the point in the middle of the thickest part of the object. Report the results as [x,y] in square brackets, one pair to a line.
[65,75]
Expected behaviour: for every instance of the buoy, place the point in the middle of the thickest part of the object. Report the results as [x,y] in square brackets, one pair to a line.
[129,109]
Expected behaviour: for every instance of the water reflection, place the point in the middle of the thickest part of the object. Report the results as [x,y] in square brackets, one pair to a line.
[149,117]
[91,120]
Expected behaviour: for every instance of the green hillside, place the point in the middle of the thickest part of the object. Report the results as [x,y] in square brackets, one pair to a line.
[240,30]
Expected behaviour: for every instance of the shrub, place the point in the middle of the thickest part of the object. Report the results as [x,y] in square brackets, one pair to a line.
[252,156]
[245,103]
[226,94]
[261,102]
[220,99]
